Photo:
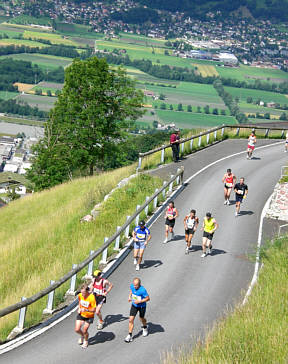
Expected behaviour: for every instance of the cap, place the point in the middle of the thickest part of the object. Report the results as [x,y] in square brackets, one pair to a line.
[208,214]
[97,273]
[142,223]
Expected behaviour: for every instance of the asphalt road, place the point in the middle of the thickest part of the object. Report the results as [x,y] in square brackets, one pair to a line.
[188,293]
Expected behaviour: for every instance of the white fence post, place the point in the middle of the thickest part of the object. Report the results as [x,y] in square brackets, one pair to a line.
[171,184]
[200,141]
[237,131]
[222,132]
[215,135]
[127,228]
[117,240]
[138,216]
[71,290]
[182,148]
[22,315]
[49,309]
[191,144]
[267,132]
[162,155]
[282,134]
[155,200]
[139,163]
[164,191]
[90,265]
[147,207]
[104,254]
[207,138]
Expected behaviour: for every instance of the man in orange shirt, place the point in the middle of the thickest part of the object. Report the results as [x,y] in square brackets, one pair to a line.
[86,312]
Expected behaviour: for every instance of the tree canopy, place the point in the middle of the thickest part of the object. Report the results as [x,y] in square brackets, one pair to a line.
[93,112]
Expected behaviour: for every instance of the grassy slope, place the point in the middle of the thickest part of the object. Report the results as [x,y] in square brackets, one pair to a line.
[257,332]
[45,228]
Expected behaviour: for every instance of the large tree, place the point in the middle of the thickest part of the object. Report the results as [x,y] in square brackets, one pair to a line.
[96,107]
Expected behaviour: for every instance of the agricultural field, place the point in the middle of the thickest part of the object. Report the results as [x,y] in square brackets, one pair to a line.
[6,95]
[53,38]
[24,87]
[24,42]
[246,73]
[206,70]
[193,120]
[265,96]
[27,19]
[44,103]
[45,61]
[189,93]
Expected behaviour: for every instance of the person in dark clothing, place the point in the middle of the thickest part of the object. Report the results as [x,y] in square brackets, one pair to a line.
[174,141]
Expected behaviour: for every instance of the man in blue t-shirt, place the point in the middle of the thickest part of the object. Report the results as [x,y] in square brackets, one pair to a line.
[141,236]
[138,296]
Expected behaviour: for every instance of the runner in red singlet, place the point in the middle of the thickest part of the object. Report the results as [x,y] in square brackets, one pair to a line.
[251,144]
[229,180]
[170,216]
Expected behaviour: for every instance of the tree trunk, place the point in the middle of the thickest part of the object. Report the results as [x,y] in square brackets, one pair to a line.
[91,169]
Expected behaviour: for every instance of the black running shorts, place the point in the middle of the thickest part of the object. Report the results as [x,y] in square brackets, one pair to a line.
[189,231]
[170,223]
[207,235]
[134,310]
[86,319]
[100,299]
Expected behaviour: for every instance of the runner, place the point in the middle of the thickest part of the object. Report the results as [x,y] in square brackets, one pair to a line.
[138,296]
[209,226]
[286,143]
[241,191]
[170,216]
[191,222]
[251,144]
[229,180]
[85,317]
[141,236]
[100,287]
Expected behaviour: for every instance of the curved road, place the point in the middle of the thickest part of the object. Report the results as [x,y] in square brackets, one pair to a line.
[187,292]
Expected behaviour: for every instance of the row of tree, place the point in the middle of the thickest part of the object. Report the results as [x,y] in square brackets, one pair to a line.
[206,109]
[12,107]
[55,50]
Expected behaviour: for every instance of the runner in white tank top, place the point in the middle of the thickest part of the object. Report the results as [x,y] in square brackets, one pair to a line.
[191,222]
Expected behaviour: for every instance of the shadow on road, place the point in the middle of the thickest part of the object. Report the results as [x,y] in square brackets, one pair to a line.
[177,238]
[255,158]
[152,329]
[111,319]
[217,252]
[246,213]
[101,337]
[151,263]
[195,248]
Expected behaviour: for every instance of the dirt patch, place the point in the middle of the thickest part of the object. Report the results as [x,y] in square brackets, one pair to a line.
[23,87]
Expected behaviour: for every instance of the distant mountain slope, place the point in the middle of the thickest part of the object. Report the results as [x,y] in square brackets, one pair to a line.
[276,10]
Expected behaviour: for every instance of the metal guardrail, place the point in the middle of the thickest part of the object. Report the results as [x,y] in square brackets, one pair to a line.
[22,305]
[211,137]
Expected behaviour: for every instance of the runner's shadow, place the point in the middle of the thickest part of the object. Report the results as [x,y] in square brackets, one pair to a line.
[255,158]
[246,213]
[233,202]
[152,329]
[151,263]
[111,319]
[101,337]
[176,238]
[217,252]
[195,248]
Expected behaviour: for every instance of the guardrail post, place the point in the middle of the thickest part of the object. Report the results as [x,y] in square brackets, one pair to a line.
[164,191]
[282,135]
[104,254]
[199,140]
[178,177]
[222,132]
[71,290]
[182,148]
[191,144]
[139,163]
[90,265]
[207,138]
[155,200]
[171,184]
[117,240]
[147,207]
[127,228]
[182,176]
[22,315]
[237,131]
[49,309]
[215,135]
[138,216]
[267,132]
[162,155]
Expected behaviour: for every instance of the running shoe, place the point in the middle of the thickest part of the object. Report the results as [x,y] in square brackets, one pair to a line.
[236,214]
[203,255]
[145,331]
[80,341]
[228,202]
[165,241]
[100,325]
[128,339]
[135,261]
[85,344]
[225,202]
[187,250]
[137,267]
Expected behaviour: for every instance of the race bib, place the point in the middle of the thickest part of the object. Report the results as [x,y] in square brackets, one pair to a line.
[240,192]
[136,298]
[141,236]
[229,184]
[84,304]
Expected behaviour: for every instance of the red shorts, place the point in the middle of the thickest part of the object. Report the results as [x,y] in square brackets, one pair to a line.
[252,147]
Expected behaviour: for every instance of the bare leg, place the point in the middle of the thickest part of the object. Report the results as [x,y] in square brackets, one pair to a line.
[141,252]
[131,324]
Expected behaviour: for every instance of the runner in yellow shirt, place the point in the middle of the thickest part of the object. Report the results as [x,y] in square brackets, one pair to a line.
[209,227]
[86,312]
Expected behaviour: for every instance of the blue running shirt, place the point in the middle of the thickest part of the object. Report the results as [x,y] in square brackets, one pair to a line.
[141,235]
[138,294]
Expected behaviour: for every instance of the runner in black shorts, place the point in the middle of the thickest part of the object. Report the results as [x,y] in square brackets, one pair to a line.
[191,222]
[138,296]
[170,216]
[241,191]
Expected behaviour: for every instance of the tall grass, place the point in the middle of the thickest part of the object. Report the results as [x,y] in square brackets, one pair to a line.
[254,333]
[41,235]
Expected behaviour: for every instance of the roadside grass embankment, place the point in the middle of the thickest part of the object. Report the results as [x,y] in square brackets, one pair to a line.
[255,333]
[41,235]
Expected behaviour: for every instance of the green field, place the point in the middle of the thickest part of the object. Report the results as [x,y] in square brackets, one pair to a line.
[44,103]
[193,120]
[265,96]
[27,19]
[24,42]
[53,38]
[6,95]
[44,61]
[247,73]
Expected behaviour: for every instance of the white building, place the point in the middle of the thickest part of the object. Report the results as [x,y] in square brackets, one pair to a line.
[228,58]
[11,167]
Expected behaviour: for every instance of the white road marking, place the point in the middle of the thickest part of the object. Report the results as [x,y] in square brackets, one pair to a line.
[30,335]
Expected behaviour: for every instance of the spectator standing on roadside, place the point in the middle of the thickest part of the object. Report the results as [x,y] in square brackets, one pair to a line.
[174,141]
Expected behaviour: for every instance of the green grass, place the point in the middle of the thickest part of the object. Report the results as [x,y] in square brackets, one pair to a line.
[26,226]
[6,95]
[52,37]
[24,42]
[257,332]
[21,121]
[265,96]
[193,120]
[27,19]
[44,103]
[45,61]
